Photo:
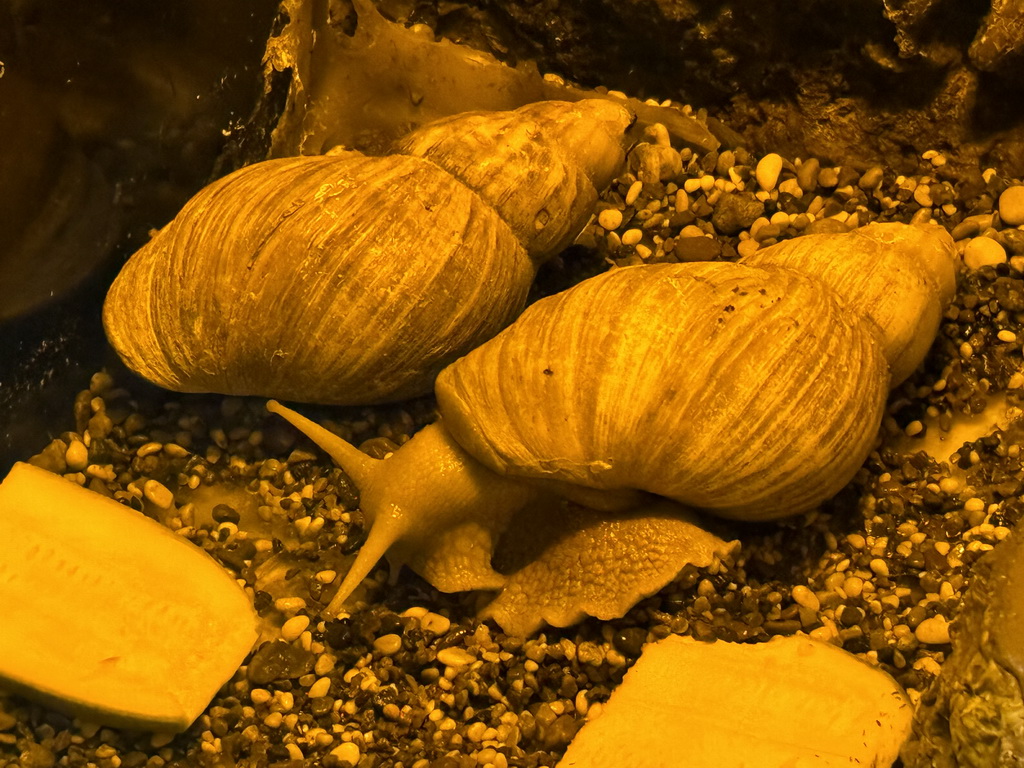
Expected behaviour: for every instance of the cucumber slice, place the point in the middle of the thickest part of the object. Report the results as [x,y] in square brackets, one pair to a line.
[792,702]
[106,613]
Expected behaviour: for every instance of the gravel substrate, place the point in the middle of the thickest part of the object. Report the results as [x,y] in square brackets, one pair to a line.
[412,679]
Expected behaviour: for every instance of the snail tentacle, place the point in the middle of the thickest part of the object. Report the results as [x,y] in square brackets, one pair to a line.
[430,505]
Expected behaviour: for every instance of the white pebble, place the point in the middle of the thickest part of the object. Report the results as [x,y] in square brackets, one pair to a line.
[347,751]
[933,631]
[791,187]
[289,606]
[158,493]
[632,236]
[767,172]
[435,622]
[691,185]
[148,449]
[388,645]
[747,247]
[455,657]
[853,586]
[634,192]
[610,218]
[982,252]
[320,688]
[294,627]
[805,597]
[77,456]
[1011,205]
[260,695]
[974,504]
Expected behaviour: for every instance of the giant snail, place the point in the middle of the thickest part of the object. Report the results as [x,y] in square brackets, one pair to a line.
[750,390]
[350,279]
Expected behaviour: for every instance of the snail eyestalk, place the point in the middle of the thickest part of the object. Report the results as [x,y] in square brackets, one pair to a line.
[413,501]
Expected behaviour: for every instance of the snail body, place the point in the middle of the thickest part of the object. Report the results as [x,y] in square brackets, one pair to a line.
[347,279]
[753,392]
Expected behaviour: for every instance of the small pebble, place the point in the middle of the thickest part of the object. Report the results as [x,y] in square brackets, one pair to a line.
[982,252]
[916,427]
[767,172]
[828,177]
[347,751]
[974,504]
[610,218]
[77,456]
[807,173]
[320,688]
[435,622]
[158,493]
[289,606]
[933,631]
[294,627]
[1011,205]
[388,645]
[326,576]
[260,696]
[632,236]
[805,597]
[149,449]
[324,663]
[853,586]
[278,660]
[872,177]
[455,657]
[923,196]
[634,192]
[791,187]
[747,247]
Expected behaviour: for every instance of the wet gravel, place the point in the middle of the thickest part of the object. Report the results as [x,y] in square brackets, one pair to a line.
[412,679]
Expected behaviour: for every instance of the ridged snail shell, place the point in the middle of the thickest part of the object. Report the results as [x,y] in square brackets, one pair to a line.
[346,279]
[752,389]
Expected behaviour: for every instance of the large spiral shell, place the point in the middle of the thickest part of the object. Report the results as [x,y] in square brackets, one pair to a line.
[346,279]
[750,391]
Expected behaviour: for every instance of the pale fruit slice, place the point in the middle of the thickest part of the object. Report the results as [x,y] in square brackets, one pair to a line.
[106,613]
[792,702]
